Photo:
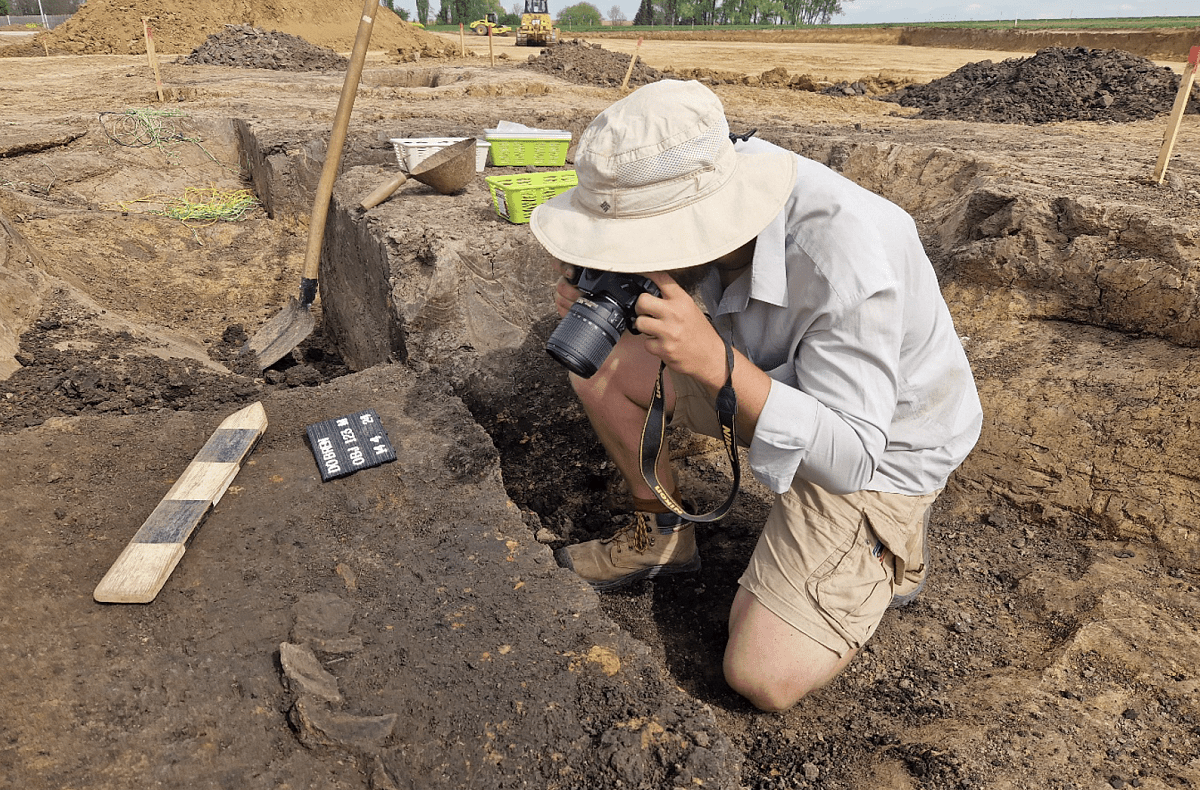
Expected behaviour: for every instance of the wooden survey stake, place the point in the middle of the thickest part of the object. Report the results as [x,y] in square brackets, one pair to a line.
[143,567]
[152,56]
[629,71]
[1181,100]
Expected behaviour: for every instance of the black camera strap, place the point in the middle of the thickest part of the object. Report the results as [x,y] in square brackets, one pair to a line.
[654,434]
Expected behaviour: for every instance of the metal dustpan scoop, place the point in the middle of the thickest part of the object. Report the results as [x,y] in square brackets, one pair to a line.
[447,171]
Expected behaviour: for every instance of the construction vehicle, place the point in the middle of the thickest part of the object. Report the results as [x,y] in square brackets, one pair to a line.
[480,26]
[537,28]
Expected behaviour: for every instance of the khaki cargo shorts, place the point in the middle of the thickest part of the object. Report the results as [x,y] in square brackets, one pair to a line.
[824,563]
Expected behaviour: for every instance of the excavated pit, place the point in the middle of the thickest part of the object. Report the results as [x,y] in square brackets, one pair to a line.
[1077,309]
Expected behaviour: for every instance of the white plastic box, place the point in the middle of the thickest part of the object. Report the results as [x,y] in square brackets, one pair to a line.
[411,151]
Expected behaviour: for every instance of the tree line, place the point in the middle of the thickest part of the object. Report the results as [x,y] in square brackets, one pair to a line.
[737,12]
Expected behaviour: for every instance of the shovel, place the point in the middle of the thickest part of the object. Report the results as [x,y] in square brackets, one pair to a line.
[447,171]
[295,322]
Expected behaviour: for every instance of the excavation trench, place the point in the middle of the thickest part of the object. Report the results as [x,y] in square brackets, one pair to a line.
[442,281]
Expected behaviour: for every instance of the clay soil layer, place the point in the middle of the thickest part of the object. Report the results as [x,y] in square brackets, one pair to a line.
[406,626]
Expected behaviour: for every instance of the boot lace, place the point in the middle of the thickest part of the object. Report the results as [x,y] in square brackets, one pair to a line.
[641,527]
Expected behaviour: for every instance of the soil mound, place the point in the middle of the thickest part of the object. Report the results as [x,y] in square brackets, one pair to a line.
[114,27]
[1056,84]
[582,63]
[253,48]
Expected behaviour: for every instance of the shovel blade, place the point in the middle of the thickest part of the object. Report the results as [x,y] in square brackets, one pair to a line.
[281,334]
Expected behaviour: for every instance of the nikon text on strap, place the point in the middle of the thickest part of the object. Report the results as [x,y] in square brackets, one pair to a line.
[654,433]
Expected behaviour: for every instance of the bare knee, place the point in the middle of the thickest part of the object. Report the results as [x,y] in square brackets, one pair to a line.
[628,373]
[769,662]
[764,690]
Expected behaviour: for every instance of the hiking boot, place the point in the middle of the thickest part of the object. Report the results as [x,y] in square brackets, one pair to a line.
[908,588]
[639,550]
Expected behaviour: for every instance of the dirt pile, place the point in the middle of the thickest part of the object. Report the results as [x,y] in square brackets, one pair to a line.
[109,27]
[867,86]
[1056,84]
[254,48]
[582,63]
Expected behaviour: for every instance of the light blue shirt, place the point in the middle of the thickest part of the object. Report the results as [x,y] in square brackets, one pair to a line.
[871,388]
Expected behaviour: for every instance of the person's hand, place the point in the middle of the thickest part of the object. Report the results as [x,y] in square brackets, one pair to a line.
[565,294]
[678,332]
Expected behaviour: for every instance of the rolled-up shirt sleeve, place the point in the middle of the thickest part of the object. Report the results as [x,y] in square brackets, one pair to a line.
[826,417]
[871,388]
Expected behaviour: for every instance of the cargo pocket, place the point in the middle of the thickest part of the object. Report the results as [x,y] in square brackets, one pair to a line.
[851,587]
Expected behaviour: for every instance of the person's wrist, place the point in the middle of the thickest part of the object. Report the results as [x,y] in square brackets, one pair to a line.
[717,371]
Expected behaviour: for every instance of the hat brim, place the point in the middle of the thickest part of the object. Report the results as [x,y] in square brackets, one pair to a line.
[688,236]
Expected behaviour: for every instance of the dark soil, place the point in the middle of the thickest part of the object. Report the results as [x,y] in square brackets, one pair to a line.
[1056,84]
[69,368]
[582,63]
[249,47]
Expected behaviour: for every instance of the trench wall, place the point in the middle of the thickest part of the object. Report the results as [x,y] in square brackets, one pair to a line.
[1166,44]
[22,284]
[1154,44]
[430,275]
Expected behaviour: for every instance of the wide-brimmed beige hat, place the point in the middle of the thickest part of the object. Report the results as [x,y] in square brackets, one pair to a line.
[661,186]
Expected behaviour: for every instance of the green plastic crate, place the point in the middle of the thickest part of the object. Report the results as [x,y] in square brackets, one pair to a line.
[521,151]
[516,196]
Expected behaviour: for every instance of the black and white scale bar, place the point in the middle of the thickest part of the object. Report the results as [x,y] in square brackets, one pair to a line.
[143,567]
[347,444]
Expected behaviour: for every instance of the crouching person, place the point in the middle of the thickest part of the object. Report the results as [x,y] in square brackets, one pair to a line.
[824,316]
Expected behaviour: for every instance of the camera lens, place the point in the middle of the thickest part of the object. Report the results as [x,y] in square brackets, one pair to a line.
[583,339]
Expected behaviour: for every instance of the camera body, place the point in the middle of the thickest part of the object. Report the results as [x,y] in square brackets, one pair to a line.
[591,328]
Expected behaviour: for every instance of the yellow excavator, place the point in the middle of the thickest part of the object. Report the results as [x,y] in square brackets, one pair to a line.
[537,28]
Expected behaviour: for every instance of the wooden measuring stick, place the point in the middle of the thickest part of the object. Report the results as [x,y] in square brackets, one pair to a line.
[142,568]
[462,41]
[152,56]
[1181,100]
[491,55]
[629,71]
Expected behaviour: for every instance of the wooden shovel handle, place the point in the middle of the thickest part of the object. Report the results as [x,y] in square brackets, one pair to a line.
[337,140]
[384,191]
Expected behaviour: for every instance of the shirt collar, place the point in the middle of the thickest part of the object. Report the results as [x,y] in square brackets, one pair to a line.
[765,282]
[768,272]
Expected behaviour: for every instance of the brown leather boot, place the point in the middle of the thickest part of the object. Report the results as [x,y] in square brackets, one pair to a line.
[906,589]
[637,551]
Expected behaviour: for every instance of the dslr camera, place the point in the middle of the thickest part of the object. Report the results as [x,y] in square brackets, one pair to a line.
[605,308]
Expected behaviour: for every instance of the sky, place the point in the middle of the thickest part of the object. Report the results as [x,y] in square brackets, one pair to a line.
[901,11]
